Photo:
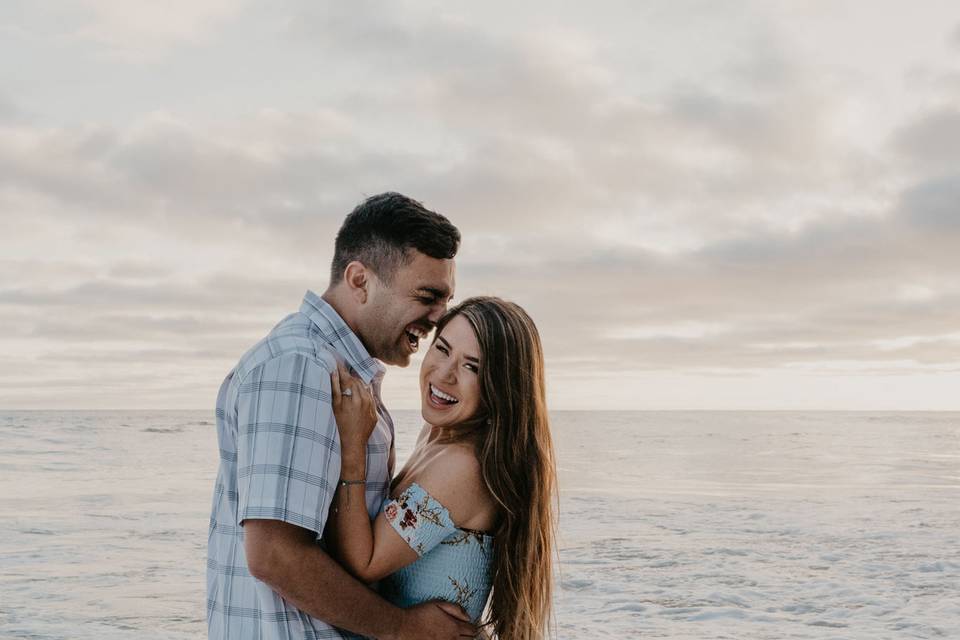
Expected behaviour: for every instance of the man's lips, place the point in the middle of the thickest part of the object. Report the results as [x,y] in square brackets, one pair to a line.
[414,333]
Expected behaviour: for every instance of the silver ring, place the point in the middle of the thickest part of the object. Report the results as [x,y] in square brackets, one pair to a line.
[347,392]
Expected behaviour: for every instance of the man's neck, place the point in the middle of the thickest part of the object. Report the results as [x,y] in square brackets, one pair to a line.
[334,297]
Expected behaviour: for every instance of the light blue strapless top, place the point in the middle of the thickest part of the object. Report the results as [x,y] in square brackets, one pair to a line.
[454,564]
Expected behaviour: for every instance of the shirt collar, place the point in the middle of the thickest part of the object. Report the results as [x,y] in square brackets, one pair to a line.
[338,335]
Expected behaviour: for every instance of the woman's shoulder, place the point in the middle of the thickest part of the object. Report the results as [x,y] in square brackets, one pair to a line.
[453,472]
[454,478]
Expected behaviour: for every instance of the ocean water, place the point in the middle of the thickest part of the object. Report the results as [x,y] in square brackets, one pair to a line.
[672,525]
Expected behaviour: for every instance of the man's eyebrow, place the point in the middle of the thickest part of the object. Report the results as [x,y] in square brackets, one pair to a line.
[447,345]
[436,293]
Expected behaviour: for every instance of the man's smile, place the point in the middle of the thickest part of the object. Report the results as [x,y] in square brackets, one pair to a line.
[414,334]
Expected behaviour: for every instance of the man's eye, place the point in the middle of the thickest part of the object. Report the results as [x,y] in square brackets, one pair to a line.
[428,300]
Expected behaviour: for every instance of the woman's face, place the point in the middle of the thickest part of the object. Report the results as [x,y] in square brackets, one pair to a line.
[449,376]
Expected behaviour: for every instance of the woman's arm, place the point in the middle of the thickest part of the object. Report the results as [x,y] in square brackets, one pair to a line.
[371,551]
[351,536]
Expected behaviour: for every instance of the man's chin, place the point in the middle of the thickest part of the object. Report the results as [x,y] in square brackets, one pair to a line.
[397,360]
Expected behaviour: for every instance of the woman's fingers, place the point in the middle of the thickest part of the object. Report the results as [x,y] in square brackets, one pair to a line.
[351,394]
[336,396]
[365,393]
[453,610]
[347,383]
[343,374]
[369,405]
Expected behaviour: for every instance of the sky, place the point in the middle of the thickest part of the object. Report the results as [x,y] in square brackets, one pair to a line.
[703,205]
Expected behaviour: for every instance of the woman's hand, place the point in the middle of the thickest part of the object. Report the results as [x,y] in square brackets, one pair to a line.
[356,414]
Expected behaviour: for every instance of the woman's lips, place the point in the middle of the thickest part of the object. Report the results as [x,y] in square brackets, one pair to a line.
[439,401]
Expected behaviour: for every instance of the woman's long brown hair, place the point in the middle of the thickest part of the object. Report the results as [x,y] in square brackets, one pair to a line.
[513,444]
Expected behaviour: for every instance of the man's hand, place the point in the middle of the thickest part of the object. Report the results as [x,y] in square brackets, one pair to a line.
[435,621]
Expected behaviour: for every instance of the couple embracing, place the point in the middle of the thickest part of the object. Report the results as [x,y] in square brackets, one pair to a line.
[312,533]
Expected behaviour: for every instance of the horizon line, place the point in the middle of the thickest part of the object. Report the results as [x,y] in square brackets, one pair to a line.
[591,410]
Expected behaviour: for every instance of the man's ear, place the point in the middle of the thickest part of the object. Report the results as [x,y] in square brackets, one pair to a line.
[357,278]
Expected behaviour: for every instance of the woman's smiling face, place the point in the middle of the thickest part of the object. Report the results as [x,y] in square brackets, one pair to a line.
[449,375]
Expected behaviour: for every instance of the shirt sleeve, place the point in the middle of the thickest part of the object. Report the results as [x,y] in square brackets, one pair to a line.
[420,520]
[288,453]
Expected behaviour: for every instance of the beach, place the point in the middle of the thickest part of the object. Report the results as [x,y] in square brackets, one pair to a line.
[672,524]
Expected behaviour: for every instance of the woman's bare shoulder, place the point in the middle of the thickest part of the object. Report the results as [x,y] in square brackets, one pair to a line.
[455,478]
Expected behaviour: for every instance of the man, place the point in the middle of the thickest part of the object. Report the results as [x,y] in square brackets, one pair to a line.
[267,573]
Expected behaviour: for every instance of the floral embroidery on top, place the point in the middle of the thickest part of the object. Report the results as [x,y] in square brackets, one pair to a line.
[454,563]
[466,536]
[430,515]
[419,519]
[463,591]
[409,519]
[390,512]
[401,504]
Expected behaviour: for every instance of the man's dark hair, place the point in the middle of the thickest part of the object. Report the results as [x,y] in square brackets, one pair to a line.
[382,229]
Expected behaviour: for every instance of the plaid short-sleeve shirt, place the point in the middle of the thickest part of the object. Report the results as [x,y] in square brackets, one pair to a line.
[280,460]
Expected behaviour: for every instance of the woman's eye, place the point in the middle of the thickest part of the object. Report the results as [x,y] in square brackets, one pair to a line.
[442,349]
[472,367]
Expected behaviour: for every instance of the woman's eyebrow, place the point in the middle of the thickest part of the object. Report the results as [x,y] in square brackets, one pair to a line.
[447,345]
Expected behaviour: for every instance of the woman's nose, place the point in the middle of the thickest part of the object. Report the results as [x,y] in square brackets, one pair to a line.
[448,373]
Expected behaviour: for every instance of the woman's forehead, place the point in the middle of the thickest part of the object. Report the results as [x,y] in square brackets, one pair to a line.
[458,333]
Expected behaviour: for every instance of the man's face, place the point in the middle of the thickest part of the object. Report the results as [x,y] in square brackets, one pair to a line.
[397,316]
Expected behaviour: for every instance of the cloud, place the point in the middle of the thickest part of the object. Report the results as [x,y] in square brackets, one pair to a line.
[696,153]
[932,142]
[138,30]
[207,293]
[172,177]
[10,112]
[661,193]
[179,328]
[934,205]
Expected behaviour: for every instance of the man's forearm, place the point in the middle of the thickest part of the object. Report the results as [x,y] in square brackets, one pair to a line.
[304,575]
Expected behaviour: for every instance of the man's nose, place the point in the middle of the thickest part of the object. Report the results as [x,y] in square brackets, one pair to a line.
[437,312]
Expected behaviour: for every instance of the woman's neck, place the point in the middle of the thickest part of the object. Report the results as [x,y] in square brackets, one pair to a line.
[461,433]
[441,434]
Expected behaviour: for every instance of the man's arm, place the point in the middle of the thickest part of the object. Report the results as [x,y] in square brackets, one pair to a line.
[287,558]
[287,446]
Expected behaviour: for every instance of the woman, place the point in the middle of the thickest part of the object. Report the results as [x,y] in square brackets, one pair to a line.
[471,513]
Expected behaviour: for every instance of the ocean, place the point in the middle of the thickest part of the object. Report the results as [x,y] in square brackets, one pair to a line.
[674,525]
